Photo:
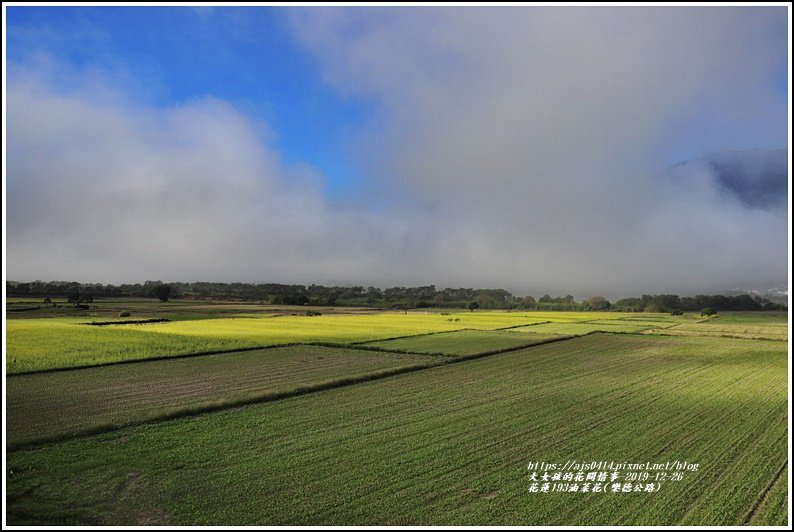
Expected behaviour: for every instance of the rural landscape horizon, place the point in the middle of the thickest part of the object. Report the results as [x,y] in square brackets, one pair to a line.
[396,266]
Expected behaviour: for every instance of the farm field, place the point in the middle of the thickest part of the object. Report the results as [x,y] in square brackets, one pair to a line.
[752,334]
[779,319]
[34,345]
[466,342]
[634,322]
[448,445]
[768,329]
[44,406]
[39,344]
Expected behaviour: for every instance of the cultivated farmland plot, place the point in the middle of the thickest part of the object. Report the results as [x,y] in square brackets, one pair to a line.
[466,342]
[779,319]
[732,330]
[54,405]
[384,432]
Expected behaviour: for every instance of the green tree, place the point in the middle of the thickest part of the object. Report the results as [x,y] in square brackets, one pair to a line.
[162,292]
[473,305]
[79,299]
[598,303]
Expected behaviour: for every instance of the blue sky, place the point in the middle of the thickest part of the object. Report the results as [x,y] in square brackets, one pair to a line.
[519,147]
[246,56]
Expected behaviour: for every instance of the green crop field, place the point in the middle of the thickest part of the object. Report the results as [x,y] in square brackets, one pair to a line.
[43,406]
[779,319]
[449,445]
[729,329]
[466,342]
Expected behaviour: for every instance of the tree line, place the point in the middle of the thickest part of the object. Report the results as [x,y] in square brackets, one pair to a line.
[396,297]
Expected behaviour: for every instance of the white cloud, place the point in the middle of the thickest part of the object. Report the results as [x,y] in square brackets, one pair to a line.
[109,190]
[535,135]
[518,148]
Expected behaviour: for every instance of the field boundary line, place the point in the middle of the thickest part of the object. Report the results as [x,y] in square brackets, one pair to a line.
[461,357]
[364,347]
[517,326]
[127,322]
[442,332]
[627,322]
[411,336]
[764,494]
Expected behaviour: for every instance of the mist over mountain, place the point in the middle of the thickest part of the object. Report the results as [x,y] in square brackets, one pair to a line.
[777,294]
[757,178]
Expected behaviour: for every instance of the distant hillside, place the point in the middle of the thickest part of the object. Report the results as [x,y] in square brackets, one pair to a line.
[758,178]
[395,297]
[777,295]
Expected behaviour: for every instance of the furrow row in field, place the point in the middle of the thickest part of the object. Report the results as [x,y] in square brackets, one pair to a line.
[314,467]
[449,444]
[685,493]
[552,368]
[751,465]
[773,507]
[650,408]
